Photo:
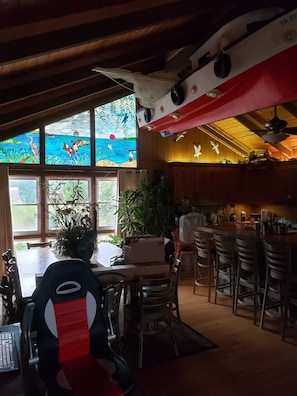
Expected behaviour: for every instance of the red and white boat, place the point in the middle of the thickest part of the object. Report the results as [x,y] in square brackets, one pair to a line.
[236,72]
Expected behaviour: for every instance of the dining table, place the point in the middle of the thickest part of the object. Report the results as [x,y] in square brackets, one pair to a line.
[32,263]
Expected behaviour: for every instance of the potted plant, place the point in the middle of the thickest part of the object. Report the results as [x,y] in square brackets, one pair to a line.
[147,210]
[74,222]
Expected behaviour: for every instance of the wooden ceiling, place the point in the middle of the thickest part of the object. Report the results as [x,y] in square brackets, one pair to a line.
[48,49]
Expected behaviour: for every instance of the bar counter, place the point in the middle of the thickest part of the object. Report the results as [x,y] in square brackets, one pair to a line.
[245,230]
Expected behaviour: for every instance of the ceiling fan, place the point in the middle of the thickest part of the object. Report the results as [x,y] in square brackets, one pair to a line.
[276,130]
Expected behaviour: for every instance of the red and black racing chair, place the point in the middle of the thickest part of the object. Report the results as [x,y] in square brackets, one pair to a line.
[74,357]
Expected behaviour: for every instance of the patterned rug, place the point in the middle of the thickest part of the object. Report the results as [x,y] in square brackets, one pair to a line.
[159,348]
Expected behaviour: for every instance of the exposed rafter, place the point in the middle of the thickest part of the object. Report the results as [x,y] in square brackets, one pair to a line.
[251,122]
[222,137]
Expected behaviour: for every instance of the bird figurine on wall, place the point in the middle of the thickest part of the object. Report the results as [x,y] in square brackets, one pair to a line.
[197,150]
[215,147]
[179,136]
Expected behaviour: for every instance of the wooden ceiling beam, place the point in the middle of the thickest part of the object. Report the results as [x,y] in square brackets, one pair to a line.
[252,123]
[224,138]
[55,110]
[43,43]
[291,107]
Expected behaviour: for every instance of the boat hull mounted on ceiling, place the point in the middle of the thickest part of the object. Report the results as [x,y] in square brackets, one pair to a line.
[260,71]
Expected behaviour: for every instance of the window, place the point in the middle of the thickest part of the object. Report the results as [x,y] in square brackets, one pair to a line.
[33,200]
[109,141]
[21,149]
[25,204]
[61,191]
[107,203]
[115,132]
[67,142]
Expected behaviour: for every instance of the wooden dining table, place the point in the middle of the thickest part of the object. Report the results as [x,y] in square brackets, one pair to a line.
[32,263]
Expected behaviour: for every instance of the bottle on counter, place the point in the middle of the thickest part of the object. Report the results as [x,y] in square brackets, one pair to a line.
[232,214]
[242,216]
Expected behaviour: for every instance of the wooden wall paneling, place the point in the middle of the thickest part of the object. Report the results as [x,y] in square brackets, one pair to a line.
[284,184]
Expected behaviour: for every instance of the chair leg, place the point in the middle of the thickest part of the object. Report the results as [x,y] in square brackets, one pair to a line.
[284,317]
[140,348]
[264,304]
[173,338]
[236,292]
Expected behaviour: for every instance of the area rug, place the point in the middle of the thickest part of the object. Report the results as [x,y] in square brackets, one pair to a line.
[159,348]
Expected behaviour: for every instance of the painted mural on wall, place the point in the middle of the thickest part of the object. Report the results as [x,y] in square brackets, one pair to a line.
[68,141]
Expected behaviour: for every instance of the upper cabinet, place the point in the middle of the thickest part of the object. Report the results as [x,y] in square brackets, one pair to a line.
[219,184]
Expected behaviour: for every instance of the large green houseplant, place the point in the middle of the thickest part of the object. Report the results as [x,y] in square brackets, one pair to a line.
[71,218]
[147,210]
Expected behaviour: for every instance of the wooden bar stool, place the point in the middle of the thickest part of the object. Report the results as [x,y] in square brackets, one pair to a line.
[280,284]
[250,274]
[183,249]
[205,260]
[225,266]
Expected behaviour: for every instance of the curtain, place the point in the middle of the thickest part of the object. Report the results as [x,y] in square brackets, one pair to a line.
[6,234]
[128,178]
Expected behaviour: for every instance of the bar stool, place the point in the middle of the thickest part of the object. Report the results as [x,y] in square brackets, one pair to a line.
[225,266]
[205,260]
[279,292]
[250,274]
[183,249]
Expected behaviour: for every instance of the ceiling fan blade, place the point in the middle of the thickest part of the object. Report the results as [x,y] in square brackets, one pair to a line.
[290,131]
[274,138]
[259,131]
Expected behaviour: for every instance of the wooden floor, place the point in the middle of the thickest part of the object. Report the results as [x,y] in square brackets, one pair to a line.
[247,361]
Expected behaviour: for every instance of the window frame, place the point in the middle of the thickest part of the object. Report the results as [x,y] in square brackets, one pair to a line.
[38,204]
[106,229]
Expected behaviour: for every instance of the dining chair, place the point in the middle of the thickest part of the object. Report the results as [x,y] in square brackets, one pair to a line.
[174,264]
[114,286]
[71,350]
[250,274]
[280,284]
[39,244]
[111,306]
[204,244]
[18,301]
[7,299]
[153,313]
[6,289]
[183,249]
[225,266]
[6,256]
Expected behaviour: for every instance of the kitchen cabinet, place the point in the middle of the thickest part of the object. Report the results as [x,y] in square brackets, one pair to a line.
[220,184]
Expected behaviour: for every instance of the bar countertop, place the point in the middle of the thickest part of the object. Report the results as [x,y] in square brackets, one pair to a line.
[245,229]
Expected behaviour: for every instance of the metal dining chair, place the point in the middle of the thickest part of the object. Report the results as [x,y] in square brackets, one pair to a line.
[39,244]
[153,313]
